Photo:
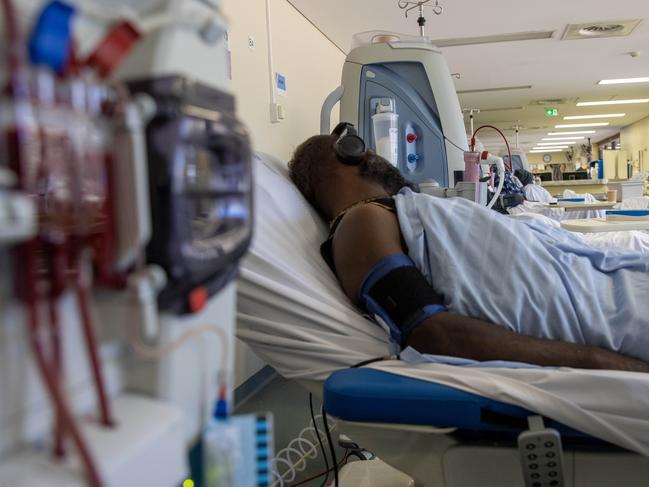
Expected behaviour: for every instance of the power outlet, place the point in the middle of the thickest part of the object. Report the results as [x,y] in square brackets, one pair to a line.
[251,43]
[277,112]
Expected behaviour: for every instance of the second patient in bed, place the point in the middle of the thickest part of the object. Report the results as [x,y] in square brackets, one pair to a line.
[544,321]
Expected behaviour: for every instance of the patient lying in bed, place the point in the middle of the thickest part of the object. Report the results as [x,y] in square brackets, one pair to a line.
[449,277]
[537,199]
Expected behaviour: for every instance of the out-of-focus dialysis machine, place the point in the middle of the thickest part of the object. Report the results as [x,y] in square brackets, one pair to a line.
[399,92]
[125,206]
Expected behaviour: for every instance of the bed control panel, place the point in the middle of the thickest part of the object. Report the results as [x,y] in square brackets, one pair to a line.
[541,455]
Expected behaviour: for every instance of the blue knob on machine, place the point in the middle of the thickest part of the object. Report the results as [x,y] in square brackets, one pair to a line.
[413,158]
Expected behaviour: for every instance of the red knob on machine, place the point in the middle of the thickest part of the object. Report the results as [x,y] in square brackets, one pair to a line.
[411,138]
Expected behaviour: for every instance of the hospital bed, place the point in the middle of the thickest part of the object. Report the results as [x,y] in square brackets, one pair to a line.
[444,425]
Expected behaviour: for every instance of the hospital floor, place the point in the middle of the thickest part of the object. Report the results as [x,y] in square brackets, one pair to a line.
[289,404]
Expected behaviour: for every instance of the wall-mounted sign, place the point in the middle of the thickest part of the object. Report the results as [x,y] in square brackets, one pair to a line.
[551,112]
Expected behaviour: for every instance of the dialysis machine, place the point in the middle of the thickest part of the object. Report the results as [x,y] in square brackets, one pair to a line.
[399,92]
[519,159]
[129,195]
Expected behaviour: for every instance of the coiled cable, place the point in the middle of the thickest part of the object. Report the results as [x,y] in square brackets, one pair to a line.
[292,459]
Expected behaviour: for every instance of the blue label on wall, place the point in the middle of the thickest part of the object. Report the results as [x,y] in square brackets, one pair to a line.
[280,80]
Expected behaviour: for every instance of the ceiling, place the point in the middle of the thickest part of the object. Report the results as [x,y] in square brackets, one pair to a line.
[555,68]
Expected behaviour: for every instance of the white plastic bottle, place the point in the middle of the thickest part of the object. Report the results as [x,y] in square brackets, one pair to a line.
[386,132]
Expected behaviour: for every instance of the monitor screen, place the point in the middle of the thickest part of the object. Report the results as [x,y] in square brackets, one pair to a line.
[571,176]
[517,162]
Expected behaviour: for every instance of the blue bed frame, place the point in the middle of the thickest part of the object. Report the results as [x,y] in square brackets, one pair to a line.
[374,396]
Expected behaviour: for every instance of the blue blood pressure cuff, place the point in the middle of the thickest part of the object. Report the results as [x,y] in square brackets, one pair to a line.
[396,293]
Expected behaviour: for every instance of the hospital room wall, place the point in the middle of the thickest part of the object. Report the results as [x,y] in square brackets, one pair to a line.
[635,139]
[536,158]
[311,64]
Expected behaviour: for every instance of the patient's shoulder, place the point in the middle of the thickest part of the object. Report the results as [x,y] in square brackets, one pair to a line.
[365,235]
[369,222]
[370,213]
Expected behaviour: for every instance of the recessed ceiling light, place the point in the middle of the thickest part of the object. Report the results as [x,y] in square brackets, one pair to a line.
[573,138]
[544,151]
[575,125]
[573,133]
[611,102]
[644,79]
[552,147]
[601,115]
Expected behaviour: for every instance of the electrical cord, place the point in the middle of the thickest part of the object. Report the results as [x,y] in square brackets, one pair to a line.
[373,360]
[332,449]
[291,460]
[454,144]
[327,472]
[322,449]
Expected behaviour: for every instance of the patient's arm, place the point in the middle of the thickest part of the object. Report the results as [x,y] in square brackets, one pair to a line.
[368,233]
[460,336]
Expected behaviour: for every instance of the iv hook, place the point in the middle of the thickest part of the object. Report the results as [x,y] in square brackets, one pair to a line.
[409,5]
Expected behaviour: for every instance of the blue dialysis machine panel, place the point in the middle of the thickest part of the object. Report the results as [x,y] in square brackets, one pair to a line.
[416,135]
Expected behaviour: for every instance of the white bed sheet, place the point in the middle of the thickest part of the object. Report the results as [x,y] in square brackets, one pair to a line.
[540,207]
[292,313]
[291,310]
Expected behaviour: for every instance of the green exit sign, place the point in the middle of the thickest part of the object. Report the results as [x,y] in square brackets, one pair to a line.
[551,112]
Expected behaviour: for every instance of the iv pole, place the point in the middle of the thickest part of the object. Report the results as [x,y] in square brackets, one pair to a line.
[421,21]
[517,128]
[471,111]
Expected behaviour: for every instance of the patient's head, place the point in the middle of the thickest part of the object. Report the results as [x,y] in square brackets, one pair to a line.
[524,176]
[319,175]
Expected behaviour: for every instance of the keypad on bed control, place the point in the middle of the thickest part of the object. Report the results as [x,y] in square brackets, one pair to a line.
[541,458]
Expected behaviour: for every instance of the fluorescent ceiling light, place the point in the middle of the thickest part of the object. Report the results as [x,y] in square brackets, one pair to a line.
[544,151]
[498,88]
[552,147]
[573,133]
[565,142]
[575,125]
[620,81]
[573,138]
[601,115]
[611,102]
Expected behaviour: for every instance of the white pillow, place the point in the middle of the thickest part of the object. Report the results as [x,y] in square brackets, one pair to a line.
[279,201]
[291,309]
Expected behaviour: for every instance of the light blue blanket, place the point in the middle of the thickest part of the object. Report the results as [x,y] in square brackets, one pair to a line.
[531,278]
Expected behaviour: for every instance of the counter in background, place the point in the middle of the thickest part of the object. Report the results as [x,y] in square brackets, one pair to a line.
[581,186]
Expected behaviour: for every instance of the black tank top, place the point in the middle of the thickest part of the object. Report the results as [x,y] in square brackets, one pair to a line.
[326,249]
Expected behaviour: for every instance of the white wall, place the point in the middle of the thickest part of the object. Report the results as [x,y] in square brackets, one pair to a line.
[311,63]
[313,68]
[635,140]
